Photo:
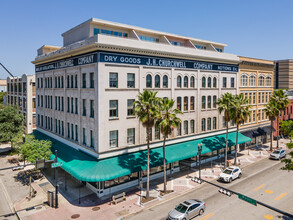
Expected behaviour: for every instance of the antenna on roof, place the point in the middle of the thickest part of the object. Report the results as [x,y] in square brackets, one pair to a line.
[6,70]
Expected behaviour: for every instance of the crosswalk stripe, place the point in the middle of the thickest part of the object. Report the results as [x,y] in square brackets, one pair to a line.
[281,196]
[259,187]
[207,216]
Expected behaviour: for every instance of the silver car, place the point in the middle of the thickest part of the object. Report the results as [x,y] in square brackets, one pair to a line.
[187,210]
[278,154]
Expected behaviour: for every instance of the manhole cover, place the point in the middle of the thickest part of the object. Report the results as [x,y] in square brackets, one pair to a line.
[75,216]
[96,208]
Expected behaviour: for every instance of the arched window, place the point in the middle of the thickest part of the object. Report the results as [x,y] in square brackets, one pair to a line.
[192,126]
[203,82]
[244,80]
[157,81]
[165,81]
[209,127]
[185,82]
[179,103]
[179,81]
[203,102]
[261,80]
[209,101]
[192,103]
[185,103]
[210,82]
[185,124]
[268,81]
[149,81]
[203,124]
[252,81]
[192,82]
[214,101]
[215,82]
[214,123]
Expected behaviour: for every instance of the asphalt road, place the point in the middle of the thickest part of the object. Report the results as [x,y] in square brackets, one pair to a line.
[5,211]
[263,181]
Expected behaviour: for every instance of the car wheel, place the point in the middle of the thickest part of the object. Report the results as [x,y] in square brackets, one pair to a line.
[240,174]
[230,180]
[201,212]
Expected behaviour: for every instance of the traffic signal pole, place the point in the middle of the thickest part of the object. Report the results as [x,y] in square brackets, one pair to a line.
[236,193]
[56,181]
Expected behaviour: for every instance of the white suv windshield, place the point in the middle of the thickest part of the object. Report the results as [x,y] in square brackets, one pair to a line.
[227,171]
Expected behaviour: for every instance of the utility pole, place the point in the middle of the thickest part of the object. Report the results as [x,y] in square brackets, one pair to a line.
[56,181]
[199,149]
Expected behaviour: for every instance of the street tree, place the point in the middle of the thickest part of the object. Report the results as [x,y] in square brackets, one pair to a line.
[166,122]
[225,105]
[272,111]
[288,161]
[281,100]
[286,128]
[34,149]
[11,124]
[240,112]
[146,108]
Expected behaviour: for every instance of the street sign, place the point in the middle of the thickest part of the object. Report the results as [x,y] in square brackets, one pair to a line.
[247,199]
[58,164]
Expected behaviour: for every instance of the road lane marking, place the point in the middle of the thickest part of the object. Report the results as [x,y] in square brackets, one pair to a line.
[268,216]
[281,196]
[261,186]
[269,191]
[207,216]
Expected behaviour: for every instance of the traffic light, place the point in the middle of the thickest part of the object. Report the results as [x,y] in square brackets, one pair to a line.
[225,192]
[197,180]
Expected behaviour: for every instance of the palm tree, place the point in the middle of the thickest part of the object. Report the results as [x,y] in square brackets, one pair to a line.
[281,100]
[224,105]
[272,111]
[240,112]
[166,122]
[146,109]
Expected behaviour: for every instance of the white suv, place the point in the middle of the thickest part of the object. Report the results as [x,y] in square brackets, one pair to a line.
[230,173]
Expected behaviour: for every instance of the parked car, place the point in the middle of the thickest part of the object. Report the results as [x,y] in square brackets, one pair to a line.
[230,173]
[187,210]
[278,154]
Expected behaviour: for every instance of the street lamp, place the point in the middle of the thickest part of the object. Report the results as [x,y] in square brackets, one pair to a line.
[199,149]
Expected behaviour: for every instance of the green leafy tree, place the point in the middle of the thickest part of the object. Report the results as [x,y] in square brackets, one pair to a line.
[11,124]
[288,162]
[281,100]
[167,121]
[2,94]
[240,112]
[146,108]
[34,149]
[225,105]
[286,127]
[272,111]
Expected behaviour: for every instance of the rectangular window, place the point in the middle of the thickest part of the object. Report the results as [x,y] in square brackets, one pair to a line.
[68,104]
[75,81]
[179,130]
[113,107]
[114,138]
[131,136]
[62,128]
[92,81]
[62,104]
[214,123]
[76,133]
[76,106]
[68,82]
[92,107]
[157,133]
[92,139]
[130,107]
[130,80]
[232,82]
[71,105]
[185,127]
[59,103]
[84,107]
[192,126]
[68,130]
[72,132]
[72,85]
[84,80]
[224,82]
[113,80]
[83,136]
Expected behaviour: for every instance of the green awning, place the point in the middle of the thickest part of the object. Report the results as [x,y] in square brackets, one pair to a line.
[87,168]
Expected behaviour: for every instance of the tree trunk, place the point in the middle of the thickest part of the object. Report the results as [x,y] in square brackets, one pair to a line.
[148,165]
[278,132]
[226,148]
[271,147]
[164,164]
[236,146]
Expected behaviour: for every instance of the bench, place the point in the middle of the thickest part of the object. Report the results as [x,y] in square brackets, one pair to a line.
[118,198]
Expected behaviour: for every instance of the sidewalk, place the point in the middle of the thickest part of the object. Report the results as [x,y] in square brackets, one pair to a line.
[90,207]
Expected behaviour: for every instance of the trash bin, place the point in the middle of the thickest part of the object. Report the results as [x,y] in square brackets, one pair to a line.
[51,198]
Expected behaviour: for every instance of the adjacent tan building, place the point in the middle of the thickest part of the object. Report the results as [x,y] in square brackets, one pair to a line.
[284,74]
[256,77]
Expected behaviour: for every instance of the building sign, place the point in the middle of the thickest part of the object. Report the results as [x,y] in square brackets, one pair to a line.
[107,57]
[70,62]
[164,62]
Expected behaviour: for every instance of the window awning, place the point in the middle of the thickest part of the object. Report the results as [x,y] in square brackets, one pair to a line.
[266,130]
[87,168]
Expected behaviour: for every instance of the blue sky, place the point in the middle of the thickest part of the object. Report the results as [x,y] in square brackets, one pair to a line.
[261,28]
